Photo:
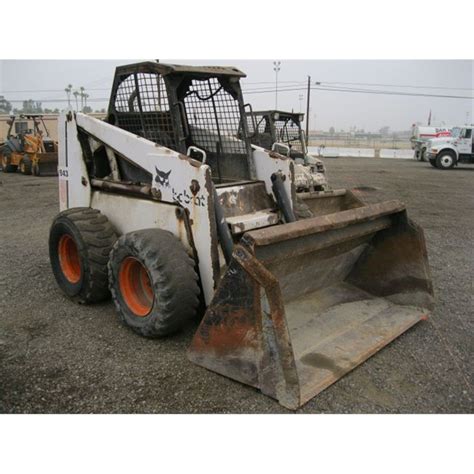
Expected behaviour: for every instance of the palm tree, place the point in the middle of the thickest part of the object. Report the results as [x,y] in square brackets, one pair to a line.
[76,95]
[81,89]
[68,93]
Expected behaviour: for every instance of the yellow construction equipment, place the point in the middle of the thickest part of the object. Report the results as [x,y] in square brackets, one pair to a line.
[30,150]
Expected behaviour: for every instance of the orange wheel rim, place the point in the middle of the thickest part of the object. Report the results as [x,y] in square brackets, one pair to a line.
[135,286]
[69,258]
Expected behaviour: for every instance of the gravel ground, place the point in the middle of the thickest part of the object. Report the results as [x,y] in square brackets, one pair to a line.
[58,357]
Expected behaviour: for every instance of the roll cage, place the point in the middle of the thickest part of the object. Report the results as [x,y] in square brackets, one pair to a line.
[196,111]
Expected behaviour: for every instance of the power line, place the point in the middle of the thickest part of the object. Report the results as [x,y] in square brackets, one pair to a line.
[273,82]
[320,86]
[287,89]
[381,92]
[266,82]
[108,88]
[398,85]
[353,90]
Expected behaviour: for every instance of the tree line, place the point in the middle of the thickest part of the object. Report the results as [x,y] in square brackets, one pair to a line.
[35,107]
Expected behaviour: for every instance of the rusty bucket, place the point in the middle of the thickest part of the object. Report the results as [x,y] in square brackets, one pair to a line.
[302,304]
[48,163]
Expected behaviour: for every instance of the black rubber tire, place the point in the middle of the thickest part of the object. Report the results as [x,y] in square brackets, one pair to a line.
[36,170]
[423,154]
[26,165]
[439,160]
[433,163]
[301,209]
[94,237]
[6,159]
[172,278]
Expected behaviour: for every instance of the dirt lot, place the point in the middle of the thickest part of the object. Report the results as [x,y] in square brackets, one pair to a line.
[58,357]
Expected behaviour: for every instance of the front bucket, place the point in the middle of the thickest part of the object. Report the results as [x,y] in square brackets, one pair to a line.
[48,164]
[302,304]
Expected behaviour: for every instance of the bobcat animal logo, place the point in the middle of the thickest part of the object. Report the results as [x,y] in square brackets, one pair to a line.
[162,178]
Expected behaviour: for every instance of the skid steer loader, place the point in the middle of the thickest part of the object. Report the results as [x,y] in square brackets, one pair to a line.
[165,208]
[31,150]
[281,131]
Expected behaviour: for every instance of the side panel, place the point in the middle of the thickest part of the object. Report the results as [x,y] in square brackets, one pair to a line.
[267,163]
[464,145]
[74,185]
[177,180]
[128,214]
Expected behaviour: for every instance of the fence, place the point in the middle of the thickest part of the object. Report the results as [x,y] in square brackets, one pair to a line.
[360,142]
[334,152]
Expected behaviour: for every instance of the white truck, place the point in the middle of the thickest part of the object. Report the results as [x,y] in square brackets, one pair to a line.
[446,153]
[435,142]
[421,135]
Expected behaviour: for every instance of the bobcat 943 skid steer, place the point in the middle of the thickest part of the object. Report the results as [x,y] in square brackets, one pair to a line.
[164,208]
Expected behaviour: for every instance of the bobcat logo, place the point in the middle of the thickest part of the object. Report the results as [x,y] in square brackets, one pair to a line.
[162,178]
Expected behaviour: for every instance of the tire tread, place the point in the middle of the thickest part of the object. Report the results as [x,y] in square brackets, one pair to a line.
[98,237]
[173,276]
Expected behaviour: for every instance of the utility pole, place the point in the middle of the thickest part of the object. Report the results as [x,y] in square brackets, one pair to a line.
[307,110]
[276,68]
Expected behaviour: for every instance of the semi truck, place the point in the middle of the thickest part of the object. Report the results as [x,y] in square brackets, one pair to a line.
[446,153]
[421,136]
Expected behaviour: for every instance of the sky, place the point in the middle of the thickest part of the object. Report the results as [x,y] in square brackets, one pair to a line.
[45,80]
